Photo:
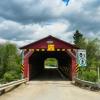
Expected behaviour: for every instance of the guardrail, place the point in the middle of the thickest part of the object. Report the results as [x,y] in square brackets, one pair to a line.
[95,85]
[3,87]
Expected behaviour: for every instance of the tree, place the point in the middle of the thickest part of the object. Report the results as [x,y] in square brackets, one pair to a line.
[93,53]
[79,40]
[10,62]
[2,52]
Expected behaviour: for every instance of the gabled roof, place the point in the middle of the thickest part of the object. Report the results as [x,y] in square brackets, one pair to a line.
[47,38]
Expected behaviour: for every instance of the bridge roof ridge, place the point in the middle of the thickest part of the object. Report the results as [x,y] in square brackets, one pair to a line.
[49,37]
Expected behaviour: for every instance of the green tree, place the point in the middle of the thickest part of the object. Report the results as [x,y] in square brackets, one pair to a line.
[10,62]
[93,53]
[79,40]
[2,51]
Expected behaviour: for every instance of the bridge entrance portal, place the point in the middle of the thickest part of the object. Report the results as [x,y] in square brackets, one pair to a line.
[36,53]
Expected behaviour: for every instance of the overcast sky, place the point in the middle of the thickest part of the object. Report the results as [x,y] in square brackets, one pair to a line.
[24,21]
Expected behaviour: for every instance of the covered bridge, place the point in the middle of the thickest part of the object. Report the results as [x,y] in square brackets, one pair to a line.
[49,47]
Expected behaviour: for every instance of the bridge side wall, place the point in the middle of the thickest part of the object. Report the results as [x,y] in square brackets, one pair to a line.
[73,68]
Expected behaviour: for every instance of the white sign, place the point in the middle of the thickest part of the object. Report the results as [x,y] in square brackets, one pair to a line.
[81,57]
[49,41]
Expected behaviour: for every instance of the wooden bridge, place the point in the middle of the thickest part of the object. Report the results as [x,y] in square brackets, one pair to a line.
[49,47]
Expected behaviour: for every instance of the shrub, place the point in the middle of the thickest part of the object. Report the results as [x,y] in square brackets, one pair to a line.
[2,81]
[11,76]
[89,75]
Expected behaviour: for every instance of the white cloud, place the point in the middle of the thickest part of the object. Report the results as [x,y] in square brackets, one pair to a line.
[2,41]
[24,34]
[24,21]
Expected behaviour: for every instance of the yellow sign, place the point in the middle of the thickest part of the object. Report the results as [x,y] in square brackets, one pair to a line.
[51,47]
[37,49]
[58,49]
[63,49]
[31,49]
[42,49]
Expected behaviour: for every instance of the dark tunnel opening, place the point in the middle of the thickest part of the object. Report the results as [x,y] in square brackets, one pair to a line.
[37,70]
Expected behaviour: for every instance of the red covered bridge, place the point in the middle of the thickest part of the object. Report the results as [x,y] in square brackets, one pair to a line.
[49,47]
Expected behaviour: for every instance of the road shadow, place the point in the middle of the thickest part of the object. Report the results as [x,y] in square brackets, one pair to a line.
[50,75]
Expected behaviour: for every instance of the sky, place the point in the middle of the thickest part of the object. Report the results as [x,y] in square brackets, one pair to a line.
[25,21]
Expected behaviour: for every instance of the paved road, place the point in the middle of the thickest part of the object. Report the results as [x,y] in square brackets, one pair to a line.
[50,90]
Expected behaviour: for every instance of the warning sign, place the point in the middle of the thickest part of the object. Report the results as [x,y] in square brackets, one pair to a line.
[51,47]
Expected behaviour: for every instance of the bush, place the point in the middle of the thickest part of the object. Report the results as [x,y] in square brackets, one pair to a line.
[89,75]
[11,76]
[2,81]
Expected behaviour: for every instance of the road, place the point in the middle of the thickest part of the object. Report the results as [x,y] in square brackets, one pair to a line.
[50,90]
